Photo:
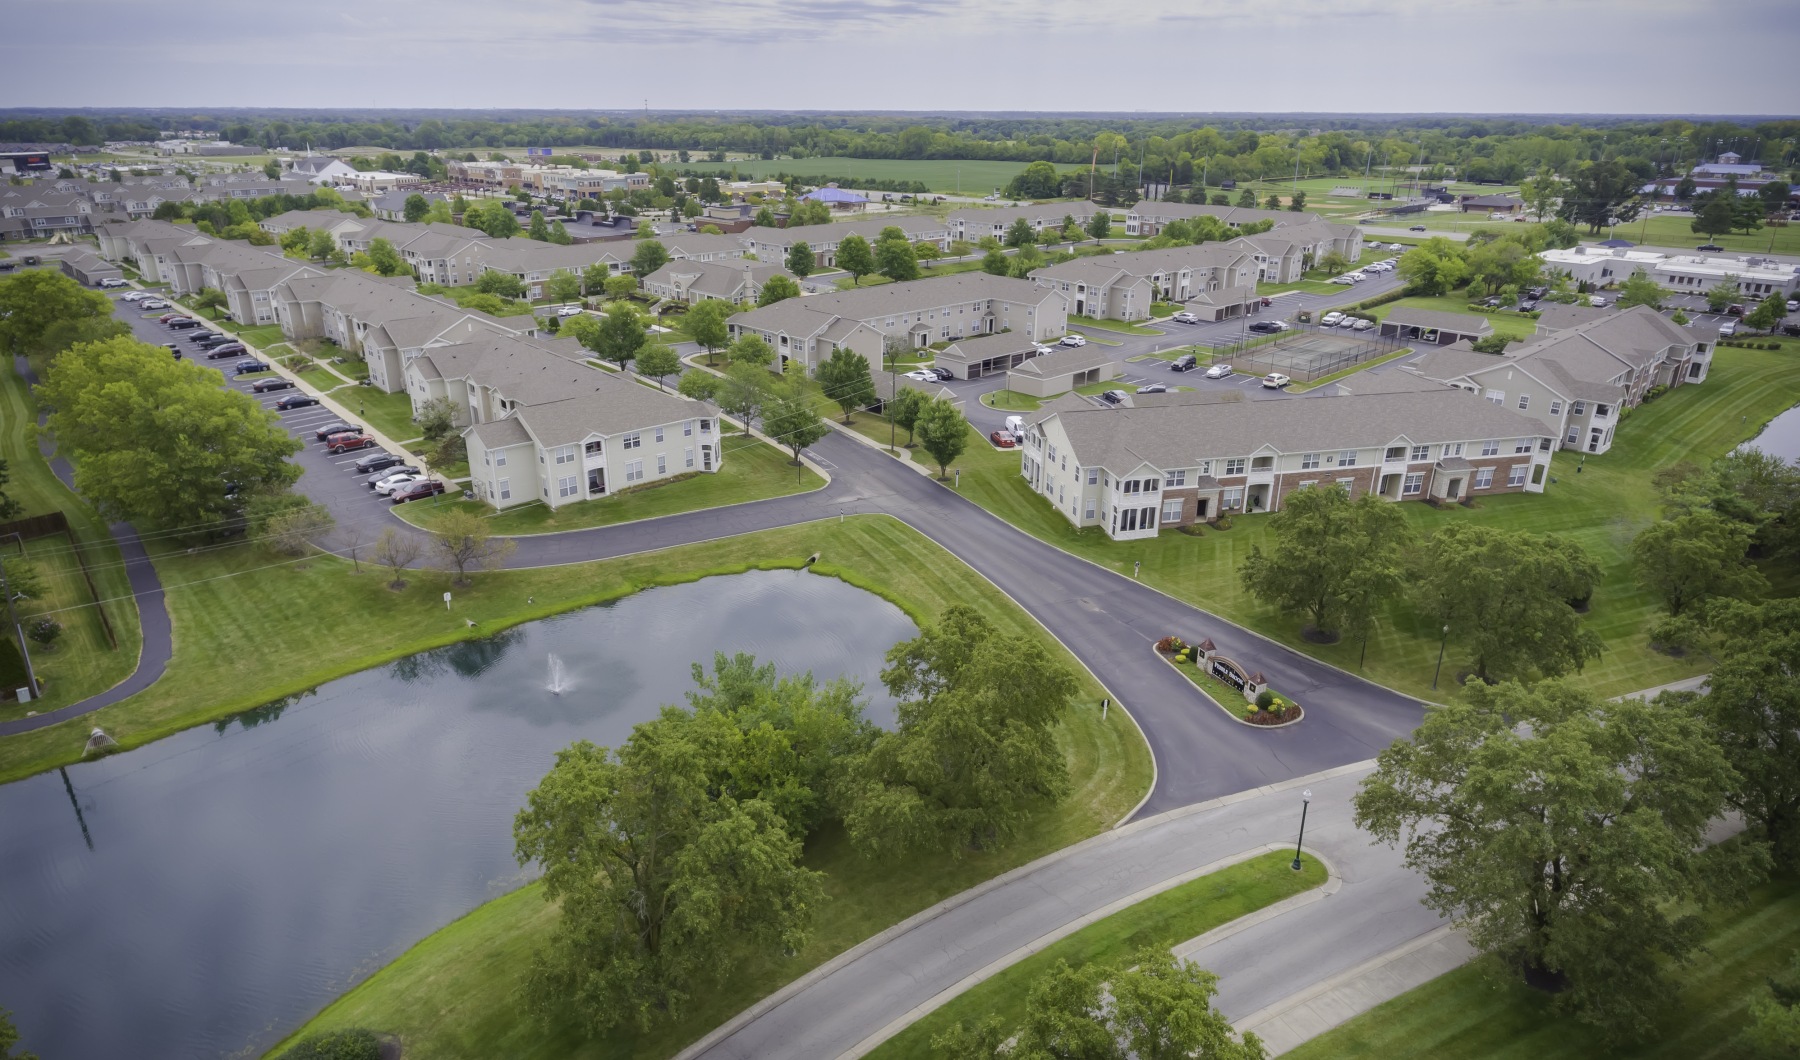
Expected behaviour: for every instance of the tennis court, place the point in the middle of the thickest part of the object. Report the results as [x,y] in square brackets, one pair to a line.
[1310,354]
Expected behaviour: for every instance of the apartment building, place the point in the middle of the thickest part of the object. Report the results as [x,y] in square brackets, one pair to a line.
[1574,381]
[1285,253]
[773,244]
[1217,280]
[1151,216]
[918,313]
[542,426]
[692,281]
[1191,458]
[976,224]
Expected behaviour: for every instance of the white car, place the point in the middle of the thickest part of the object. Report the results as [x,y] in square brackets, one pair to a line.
[923,375]
[1362,324]
[1345,280]
[1040,348]
[1793,306]
[1072,339]
[1331,319]
[134,296]
[568,311]
[396,480]
[1275,381]
[1219,371]
[153,303]
[1728,329]
[112,281]
[1396,246]
[1184,317]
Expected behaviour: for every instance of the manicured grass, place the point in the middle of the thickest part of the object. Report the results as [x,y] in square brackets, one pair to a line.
[261,336]
[391,414]
[1164,921]
[848,282]
[1479,1012]
[1110,325]
[323,379]
[1303,286]
[1511,324]
[752,471]
[1674,230]
[949,268]
[1601,508]
[974,177]
[82,664]
[454,994]
[1010,401]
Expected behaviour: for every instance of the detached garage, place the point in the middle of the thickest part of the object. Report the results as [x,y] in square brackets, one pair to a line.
[1433,327]
[1064,370]
[982,355]
[89,268]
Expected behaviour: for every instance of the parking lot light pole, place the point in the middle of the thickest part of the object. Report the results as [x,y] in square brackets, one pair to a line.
[1305,801]
[1440,662]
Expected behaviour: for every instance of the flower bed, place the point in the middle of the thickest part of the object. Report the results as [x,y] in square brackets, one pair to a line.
[1277,712]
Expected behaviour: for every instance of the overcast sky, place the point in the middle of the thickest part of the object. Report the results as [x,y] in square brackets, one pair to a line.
[1482,56]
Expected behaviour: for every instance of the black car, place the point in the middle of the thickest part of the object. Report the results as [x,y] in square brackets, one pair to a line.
[944,374]
[247,367]
[376,462]
[263,386]
[209,336]
[335,427]
[1790,329]
[1710,248]
[1184,363]
[182,325]
[296,401]
[1265,327]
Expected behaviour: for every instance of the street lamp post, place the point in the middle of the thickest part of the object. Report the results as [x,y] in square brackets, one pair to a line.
[1305,801]
[1440,662]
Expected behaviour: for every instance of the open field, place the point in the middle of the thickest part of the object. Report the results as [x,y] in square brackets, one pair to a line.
[1675,230]
[1163,921]
[81,665]
[453,995]
[752,471]
[1601,508]
[1479,1013]
[948,176]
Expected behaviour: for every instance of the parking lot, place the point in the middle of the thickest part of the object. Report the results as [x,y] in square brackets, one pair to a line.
[326,478]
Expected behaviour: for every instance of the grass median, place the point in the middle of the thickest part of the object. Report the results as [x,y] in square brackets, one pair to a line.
[752,471]
[1601,508]
[453,994]
[1479,1012]
[1165,920]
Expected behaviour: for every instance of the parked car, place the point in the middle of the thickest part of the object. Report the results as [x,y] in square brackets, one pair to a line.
[1269,327]
[1219,371]
[385,483]
[348,443]
[111,282]
[1416,228]
[942,375]
[1790,329]
[1275,381]
[336,427]
[1153,388]
[387,471]
[166,317]
[134,296]
[1267,302]
[1184,363]
[1002,440]
[1491,302]
[1793,305]
[1331,319]
[1728,329]
[264,386]
[568,311]
[1185,317]
[209,338]
[296,401]
[229,349]
[153,303]
[1072,339]
[1735,309]
[248,367]
[1597,301]
[1114,397]
[921,375]
[1362,324]
[1711,248]
[414,491]
[1344,280]
[1040,348]
[1396,246]
[183,325]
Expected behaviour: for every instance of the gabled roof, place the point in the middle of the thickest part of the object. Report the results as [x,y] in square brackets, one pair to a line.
[1078,359]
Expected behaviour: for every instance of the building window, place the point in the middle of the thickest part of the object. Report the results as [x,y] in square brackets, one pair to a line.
[1093,476]
[1394,453]
[1309,461]
[1413,484]
[1490,447]
[706,426]
[662,464]
[1090,508]
[565,487]
[659,434]
[687,428]
[1235,466]
[1556,408]
[500,458]
[1484,477]
[1453,449]
[1602,410]
[688,457]
[1172,479]
[1171,511]
[634,471]
[1232,499]
[1498,397]
[594,448]
[632,440]
[1578,409]
[1347,458]
[1516,475]
[505,489]
[1523,445]
[1524,402]
[565,454]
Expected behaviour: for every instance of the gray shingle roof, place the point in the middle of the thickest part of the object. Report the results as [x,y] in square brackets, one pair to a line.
[1438,320]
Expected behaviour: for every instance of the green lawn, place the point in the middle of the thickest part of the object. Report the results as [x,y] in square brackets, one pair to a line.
[1010,401]
[1479,1013]
[1601,508]
[1109,325]
[82,665]
[1303,286]
[261,336]
[1511,324]
[452,995]
[323,379]
[391,414]
[1674,230]
[752,471]
[1164,921]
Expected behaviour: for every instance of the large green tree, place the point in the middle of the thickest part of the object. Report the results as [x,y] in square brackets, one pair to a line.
[706,325]
[1148,1006]
[896,259]
[942,431]
[649,256]
[415,208]
[1640,289]
[563,286]
[1020,233]
[1768,312]
[657,361]
[1752,702]
[744,392]
[1505,596]
[385,258]
[1600,192]
[791,419]
[974,753]
[1695,557]
[1433,267]
[38,304]
[622,333]
[8,506]
[800,260]
[845,377]
[154,439]
[1566,834]
[855,257]
[904,408]
[1330,556]
[1714,216]
[777,288]
[660,877]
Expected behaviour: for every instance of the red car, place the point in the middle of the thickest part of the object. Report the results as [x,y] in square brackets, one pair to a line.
[349,444]
[419,490]
[1002,440]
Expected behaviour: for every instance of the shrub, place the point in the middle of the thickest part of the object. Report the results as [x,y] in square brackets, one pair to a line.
[1223,522]
[356,1044]
[1171,644]
[45,631]
[1264,699]
[1191,530]
[1655,392]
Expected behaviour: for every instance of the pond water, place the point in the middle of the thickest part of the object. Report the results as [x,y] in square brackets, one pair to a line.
[1781,437]
[202,895]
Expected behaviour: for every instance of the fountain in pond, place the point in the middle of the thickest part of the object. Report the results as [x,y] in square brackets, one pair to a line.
[559,681]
